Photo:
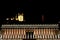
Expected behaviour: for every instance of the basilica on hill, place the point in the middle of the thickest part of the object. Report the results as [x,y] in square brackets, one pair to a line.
[29,31]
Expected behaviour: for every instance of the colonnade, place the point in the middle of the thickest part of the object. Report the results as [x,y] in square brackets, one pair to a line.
[37,33]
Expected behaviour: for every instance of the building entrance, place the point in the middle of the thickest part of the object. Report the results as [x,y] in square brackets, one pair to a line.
[29,39]
[29,35]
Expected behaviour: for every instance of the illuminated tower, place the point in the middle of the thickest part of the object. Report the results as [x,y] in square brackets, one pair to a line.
[20,17]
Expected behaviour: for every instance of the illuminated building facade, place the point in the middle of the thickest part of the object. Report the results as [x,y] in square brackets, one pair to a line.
[30,32]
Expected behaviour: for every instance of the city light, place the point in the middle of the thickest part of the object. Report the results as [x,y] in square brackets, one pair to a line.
[7,18]
[20,18]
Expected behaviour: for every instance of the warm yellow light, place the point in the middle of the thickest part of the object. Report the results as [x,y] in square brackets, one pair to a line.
[20,17]
[12,18]
[16,18]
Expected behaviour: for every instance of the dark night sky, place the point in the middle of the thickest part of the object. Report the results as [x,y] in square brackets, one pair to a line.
[32,11]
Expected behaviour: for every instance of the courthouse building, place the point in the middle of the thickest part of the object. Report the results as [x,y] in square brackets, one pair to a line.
[29,31]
